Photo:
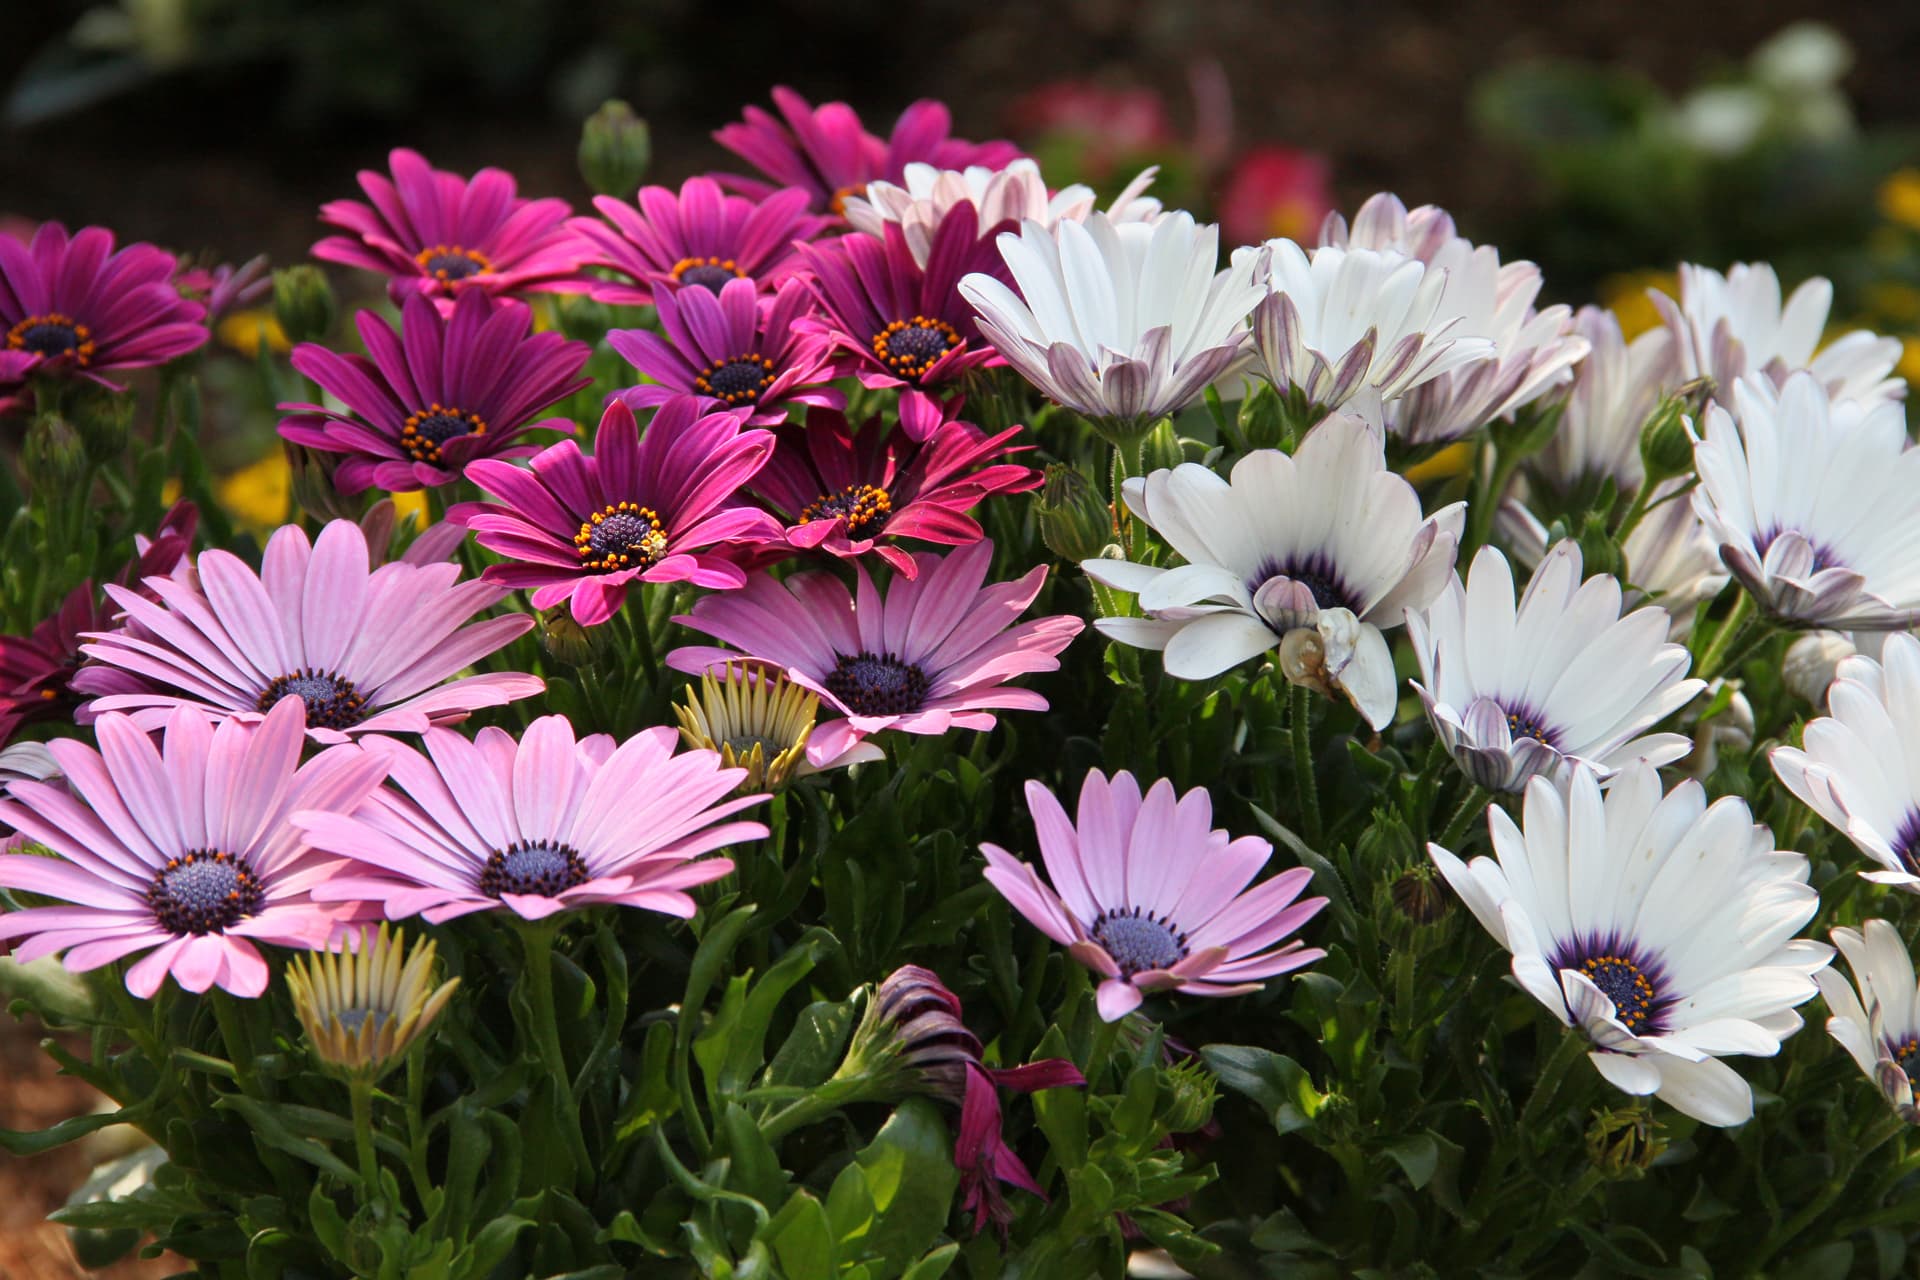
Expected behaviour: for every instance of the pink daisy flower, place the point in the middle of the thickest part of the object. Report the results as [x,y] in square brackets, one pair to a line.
[894,322]
[72,304]
[933,652]
[437,233]
[701,236]
[641,509]
[183,852]
[220,287]
[734,351]
[1149,898]
[852,492]
[538,826]
[367,650]
[444,390]
[829,153]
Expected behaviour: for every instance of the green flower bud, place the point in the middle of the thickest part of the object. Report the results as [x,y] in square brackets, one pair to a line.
[1075,521]
[1162,449]
[582,318]
[1186,1096]
[615,149]
[1265,418]
[54,455]
[1599,551]
[303,303]
[1666,450]
[1419,896]
[1624,1143]
[104,420]
[314,491]
[566,641]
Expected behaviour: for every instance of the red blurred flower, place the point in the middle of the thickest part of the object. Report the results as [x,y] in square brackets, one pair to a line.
[1275,191]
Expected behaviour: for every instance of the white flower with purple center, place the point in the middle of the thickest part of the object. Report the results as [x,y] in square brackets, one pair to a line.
[1877,1018]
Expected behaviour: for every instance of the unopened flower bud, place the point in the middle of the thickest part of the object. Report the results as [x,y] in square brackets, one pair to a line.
[1419,897]
[615,149]
[1599,551]
[582,318]
[104,420]
[1264,417]
[54,456]
[911,1040]
[311,481]
[1666,449]
[1187,1097]
[756,719]
[1162,450]
[363,1007]
[1810,664]
[1624,1143]
[565,640]
[1075,521]
[303,303]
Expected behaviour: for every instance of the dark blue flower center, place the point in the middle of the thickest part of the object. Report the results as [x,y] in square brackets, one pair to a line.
[1139,941]
[540,868]
[737,381]
[1907,1055]
[1636,984]
[204,891]
[910,348]
[1314,572]
[865,508]
[450,262]
[52,335]
[710,274]
[423,433]
[332,702]
[1524,722]
[877,685]
[1906,845]
[625,535]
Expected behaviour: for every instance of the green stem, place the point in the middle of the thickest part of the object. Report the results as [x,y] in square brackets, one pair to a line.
[1877,1135]
[361,1091]
[1301,724]
[1472,806]
[1104,1035]
[239,1048]
[417,1126]
[1571,1047]
[1486,501]
[1636,511]
[816,1106]
[1713,656]
[537,942]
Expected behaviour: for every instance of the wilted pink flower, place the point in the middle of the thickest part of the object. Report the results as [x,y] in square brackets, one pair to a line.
[701,236]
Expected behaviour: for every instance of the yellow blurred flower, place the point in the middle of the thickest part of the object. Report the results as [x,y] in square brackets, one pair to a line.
[1909,366]
[1626,296]
[1900,198]
[1450,461]
[259,496]
[244,330]
[412,504]
[1889,300]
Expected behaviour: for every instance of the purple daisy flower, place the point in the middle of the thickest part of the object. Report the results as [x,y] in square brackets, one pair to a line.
[641,509]
[735,351]
[895,323]
[438,233]
[443,391]
[829,153]
[367,651]
[542,825]
[183,851]
[702,236]
[933,652]
[72,304]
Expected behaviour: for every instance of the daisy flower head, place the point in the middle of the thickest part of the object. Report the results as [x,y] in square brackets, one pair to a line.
[365,650]
[731,349]
[697,236]
[365,1003]
[1876,1018]
[434,232]
[1671,559]
[934,651]
[1325,542]
[761,722]
[1565,676]
[1659,927]
[1125,322]
[73,305]
[582,529]
[535,827]
[827,152]
[443,390]
[1815,504]
[1615,391]
[1151,898]
[180,849]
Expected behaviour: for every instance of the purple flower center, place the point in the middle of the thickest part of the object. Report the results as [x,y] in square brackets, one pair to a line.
[1524,722]
[204,891]
[1906,845]
[332,701]
[737,381]
[864,507]
[449,262]
[910,348]
[625,535]
[1906,1055]
[1314,572]
[710,274]
[422,434]
[1823,557]
[52,335]
[877,685]
[1635,984]
[1139,941]
[539,867]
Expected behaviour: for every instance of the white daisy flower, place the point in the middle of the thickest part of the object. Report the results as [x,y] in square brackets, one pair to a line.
[1815,505]
[1879,1023]
[1859,766]
[1562,679]
[1660,928]
[1126,322]
[1340,320]
[1735,326]
[1615,390]
[1532,349]
[1327,542]
[1013,194]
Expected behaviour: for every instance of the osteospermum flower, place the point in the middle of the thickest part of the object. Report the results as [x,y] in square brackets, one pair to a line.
[1785,480]
[829,153]
[1124,322]
[73,305]
[1671,559]
[759,721]
[365,650]
[1281,548]
[1565,677]
[1151,899]
[1615,391]
[182,850]
[434,232]
[734,351]
[583,529]
[1735,326]
[1878,1024]
[535,827]
[1661,928]
[853,492]
[364,1005]
[700,236]
[933,652]
[444,390]
[1859,766]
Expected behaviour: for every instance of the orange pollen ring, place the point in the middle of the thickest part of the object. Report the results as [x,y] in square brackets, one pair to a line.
[740,380]
[839,202]
[424,446]
[685,265]
[82,348]
[859,505]
[444,255]
[924,342]
[618,536]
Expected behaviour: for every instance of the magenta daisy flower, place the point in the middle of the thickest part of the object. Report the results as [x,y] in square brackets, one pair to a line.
[641,509]
[220,287]
[434,232]
[538,826]
[443,391]
[734,351]
[702,236]
[72,304]
[829,153]
[852,493]
[934,652]
[183,851]
[894,322]
[367,650]
[1149,898]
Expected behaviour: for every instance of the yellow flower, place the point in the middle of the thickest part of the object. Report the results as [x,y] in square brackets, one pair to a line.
[1626,296]
[1892,300]
[1909,366]
[1450,461]
[259,496]
[412,504]
[243,331]
[362,1007]
[1900,198]
[757,720]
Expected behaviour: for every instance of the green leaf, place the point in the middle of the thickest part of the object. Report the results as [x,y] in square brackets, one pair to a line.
[490,1248]
[801,1238]
[753,1168]
[1275,1083]
[264,1119]
[1418,1157]
[814,1047]
[31,1142]
[934,1265]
